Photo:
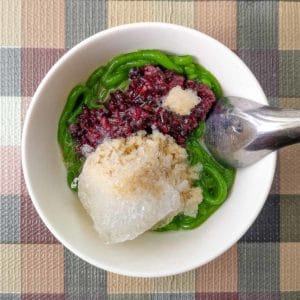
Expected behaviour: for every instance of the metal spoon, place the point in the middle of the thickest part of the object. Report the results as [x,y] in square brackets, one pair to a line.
[239,132]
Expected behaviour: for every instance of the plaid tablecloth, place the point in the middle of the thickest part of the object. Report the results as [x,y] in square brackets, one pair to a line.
[264,264]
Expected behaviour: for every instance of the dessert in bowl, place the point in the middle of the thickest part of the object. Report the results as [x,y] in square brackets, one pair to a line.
[152,253]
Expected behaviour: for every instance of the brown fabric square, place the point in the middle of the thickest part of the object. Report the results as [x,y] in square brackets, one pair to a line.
[43,24]
[218,19]
[290,266]
[42,269]
[220,275]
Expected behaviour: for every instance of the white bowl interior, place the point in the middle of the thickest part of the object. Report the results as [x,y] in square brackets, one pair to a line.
[152,254]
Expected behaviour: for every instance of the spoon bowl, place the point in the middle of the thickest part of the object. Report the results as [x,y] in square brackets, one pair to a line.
[239,132]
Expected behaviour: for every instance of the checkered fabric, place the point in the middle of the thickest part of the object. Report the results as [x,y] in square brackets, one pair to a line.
[264,264]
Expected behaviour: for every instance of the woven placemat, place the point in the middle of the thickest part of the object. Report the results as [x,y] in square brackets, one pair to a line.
[264,264]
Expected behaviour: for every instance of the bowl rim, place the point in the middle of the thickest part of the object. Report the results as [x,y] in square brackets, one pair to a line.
[36,99]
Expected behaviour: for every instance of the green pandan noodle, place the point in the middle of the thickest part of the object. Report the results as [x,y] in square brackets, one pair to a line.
[215,179]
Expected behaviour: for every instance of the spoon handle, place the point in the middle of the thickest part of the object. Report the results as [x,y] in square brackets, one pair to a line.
[277,128]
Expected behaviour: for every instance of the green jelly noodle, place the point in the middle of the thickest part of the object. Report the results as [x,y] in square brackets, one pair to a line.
[215,179]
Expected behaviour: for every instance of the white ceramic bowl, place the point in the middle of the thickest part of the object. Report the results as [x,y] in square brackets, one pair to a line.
[152,254]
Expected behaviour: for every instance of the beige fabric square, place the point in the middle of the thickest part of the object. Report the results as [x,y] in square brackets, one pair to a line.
[118,284]
[289,103]
[289,162]
[289,166]
[10,268]
[10,23]
[42,269]
[218,19]
[289,266]
[123,12]
[220,275]
[181,283]
[43,24]
[289,25]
